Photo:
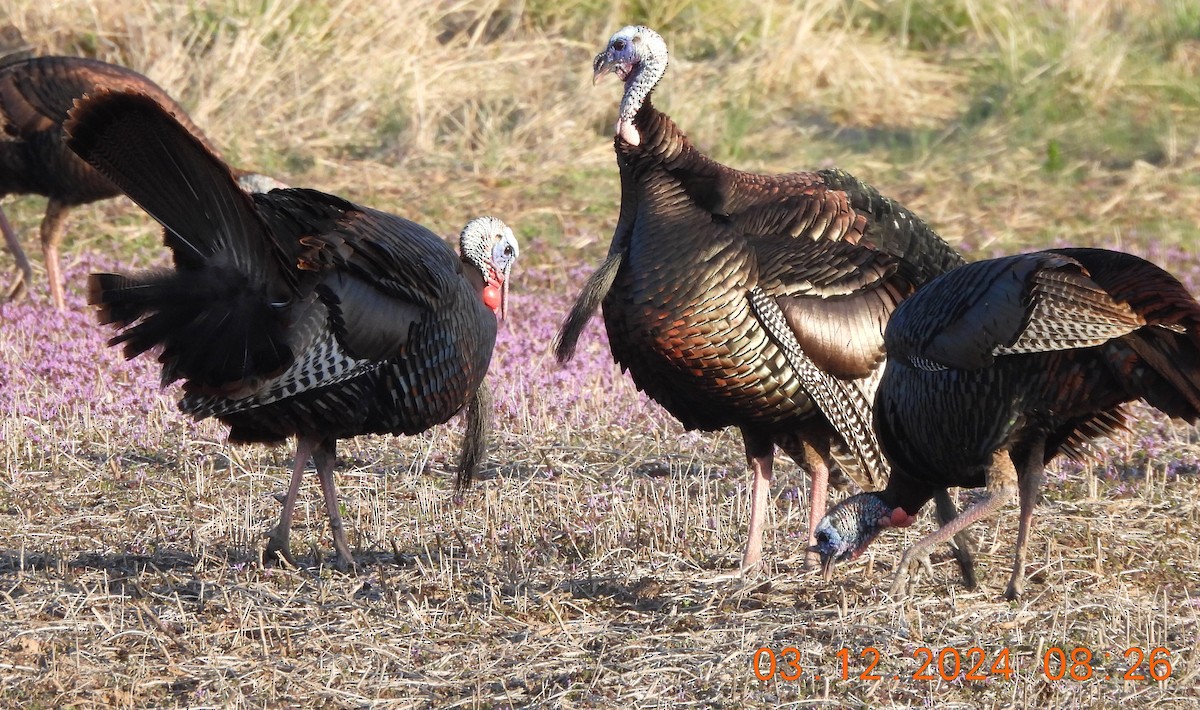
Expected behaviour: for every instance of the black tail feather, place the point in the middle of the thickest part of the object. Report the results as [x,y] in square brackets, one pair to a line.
[214,328]
[135,295]
[1174,360]
[142,148]
[220,316]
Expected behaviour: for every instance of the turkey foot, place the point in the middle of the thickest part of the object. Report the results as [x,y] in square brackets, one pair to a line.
[343,561]
[18,289]
[278,546]
[912,558]
[1001,487]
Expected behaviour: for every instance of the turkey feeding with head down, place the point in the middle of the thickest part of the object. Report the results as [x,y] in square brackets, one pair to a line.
[35,96]
[746,300]
[1001,365]
[295,313]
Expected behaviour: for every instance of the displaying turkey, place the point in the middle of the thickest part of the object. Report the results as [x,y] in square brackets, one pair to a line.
[295,313]
[755,301]
[35,96]
[996,368]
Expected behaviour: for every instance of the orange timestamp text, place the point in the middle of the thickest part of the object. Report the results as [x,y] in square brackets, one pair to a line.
[974,664]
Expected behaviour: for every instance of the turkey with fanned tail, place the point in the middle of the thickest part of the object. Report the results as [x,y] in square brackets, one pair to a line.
[755,301]
[295,313]
[999,366]
[35,95]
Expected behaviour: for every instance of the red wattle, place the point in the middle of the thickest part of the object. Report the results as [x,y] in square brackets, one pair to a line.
[491,297]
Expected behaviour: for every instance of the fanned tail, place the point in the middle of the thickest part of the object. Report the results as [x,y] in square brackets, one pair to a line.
[220,316]
[142,147]
[210,332]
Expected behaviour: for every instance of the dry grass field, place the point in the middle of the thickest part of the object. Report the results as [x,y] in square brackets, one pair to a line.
[578,572]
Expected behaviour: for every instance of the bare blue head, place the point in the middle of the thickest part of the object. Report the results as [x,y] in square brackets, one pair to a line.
[849,528]
[638,56]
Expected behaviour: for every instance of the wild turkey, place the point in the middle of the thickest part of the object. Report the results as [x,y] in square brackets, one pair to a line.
[295,312]
[755,301]
[35,96]
[996,368]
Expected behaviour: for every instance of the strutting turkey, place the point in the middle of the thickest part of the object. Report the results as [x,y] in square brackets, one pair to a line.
[999,366]
[35,96]
[295,313]
[755,301]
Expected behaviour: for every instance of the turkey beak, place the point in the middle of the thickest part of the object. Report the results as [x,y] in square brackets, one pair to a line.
[827,562]
[602,65]
[502,311]
[504,297]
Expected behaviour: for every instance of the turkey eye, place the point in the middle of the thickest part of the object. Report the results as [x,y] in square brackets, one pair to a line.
[507,250]
[619,45]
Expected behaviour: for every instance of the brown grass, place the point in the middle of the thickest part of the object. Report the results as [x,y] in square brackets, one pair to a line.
[575,574]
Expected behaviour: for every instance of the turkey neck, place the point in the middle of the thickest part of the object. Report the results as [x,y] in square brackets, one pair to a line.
[662,143]
[474,278]
[639,86]
[907,492]
[667,189]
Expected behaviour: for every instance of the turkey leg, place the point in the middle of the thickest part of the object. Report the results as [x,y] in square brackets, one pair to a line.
[813,461]
[278,540]
[760,454]
[1031,484]
[21,284]
[324,457]
[53,225]
[963,547]
[1001,486]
